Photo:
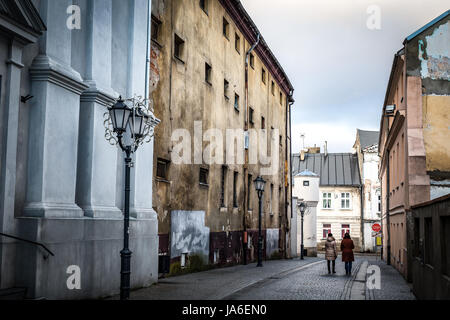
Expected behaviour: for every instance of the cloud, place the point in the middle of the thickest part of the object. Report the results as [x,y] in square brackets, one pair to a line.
[338,67]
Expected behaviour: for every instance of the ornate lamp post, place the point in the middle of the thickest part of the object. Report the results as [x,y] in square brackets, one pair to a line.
[128,127]
[259,185]
[302,208]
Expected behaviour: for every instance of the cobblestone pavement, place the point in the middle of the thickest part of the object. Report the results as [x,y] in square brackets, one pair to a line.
[281,280]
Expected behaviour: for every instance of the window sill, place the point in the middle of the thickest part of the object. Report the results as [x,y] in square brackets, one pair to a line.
[156,43]
[236,109]
[208,83]
[227,98]
[162,180]
[226,37]
[205,185]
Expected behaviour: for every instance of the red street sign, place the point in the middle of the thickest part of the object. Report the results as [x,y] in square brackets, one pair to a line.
[376,227]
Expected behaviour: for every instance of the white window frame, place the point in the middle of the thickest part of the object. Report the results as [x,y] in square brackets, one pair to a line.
[329,197]
[347,197]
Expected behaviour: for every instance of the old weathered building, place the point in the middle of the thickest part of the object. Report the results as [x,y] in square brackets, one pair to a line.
[339,208]
[366,148]
[414,137]
[212,69]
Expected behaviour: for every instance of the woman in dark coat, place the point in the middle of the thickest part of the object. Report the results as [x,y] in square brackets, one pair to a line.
[347,247]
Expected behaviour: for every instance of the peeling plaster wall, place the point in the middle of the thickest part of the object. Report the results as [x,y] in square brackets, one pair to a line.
[189,234]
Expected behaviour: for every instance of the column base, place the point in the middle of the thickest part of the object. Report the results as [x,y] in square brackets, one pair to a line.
[52,210]
[102,212]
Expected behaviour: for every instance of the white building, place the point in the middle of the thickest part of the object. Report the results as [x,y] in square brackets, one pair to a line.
[366,148]
[305,189]
[61,182]
[339,206]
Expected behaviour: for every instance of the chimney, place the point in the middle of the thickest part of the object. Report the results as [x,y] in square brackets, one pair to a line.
[302,155]
[325,148]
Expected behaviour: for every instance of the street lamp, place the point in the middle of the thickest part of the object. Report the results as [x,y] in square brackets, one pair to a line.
[302,208]
[259,185]
[131,127]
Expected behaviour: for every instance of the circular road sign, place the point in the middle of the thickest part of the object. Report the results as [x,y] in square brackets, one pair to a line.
[376,227]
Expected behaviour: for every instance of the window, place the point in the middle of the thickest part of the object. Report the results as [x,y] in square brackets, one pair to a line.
[379,203]
[252,60]
[326,198]
[273,88]
[250,115]
[345,200]
[326,229]
[204,5]
[178,47]
[162,169]
[249,188]
[156,27]
[226,85]
[263,123]
[208,70]
[223,186]
[226,28]
[281,141]
[237,42]
[345,228]
[263,75]
[235,177]
[281,98]
[236,101]
[203,179]
[306,183]
[428,241]
[271,199]
[184,257]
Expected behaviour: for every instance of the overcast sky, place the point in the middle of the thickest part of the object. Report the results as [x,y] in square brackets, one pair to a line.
[337,65]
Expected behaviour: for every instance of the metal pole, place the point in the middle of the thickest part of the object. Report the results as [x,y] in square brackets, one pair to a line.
[260,239]
[125,254]
[301,246]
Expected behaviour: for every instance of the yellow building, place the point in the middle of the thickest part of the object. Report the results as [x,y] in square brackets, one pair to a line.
[211,69]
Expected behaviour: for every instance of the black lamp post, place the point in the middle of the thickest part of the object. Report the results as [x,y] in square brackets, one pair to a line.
[135,122]
[302,207]
[259,185]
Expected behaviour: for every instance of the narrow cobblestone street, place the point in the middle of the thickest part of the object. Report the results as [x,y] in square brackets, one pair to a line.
[282,280]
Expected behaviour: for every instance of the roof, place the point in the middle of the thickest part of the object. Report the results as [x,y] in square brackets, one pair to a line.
[248,28]
[306,173]
[425,27]
[334,169]
[24,13]
[368,138]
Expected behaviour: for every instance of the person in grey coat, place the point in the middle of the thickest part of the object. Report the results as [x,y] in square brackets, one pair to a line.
[330,252]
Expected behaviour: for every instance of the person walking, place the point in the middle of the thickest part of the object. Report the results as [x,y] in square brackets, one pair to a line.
[347,247]
[330,252]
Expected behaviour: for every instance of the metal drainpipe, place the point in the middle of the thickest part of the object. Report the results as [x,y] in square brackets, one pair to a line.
[147,60]
[363,246]
[246,193]
[388,224]
[290,103]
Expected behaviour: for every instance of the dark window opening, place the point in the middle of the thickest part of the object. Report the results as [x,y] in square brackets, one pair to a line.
[236,101]
[281,98]
[162,169]
[252,60]
[273,88]
[235,178]
[263,123]
[204,5]
[263,75]
[203,176]
[226,85]
[222,186]
[226,28]
[237,43]
[306,183]
[178,47]
[208,71]
[156,28]
[250,115]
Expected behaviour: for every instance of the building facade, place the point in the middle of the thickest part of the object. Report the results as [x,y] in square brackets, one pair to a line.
[61,183]
[212,72]
[305,189]
[339,207]
[366,148]
[414,135]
